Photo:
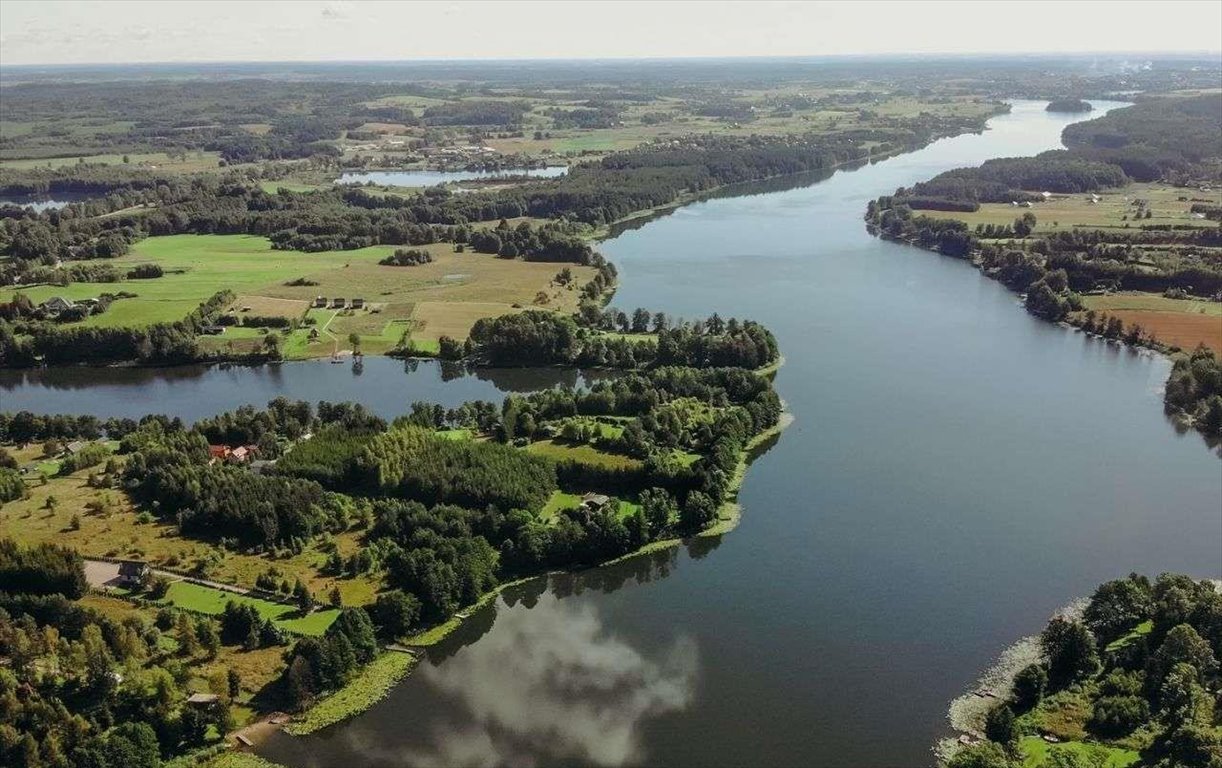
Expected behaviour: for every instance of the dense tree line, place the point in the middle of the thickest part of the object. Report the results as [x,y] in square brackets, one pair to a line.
[547,338]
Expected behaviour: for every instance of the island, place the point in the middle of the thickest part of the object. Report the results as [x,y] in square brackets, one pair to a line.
[1069,105]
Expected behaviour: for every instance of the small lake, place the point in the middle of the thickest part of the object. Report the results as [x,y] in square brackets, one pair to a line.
[39,204]
[433,178]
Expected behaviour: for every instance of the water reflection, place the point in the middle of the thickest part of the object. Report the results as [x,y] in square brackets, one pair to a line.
[553,681]
[553,684]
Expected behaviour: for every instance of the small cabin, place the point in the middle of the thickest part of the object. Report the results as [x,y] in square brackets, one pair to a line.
[320,301]
[132,571]
[218,452]
[339,303]
[212,330]
[358,303]
[75,447]
[594,501]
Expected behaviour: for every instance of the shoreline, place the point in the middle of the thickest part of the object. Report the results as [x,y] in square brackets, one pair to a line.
[729,515]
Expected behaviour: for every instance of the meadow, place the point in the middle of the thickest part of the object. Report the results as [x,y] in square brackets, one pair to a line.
[101,522]
[1116,208]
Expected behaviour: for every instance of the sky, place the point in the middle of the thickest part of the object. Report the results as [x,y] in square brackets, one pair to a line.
[122,31]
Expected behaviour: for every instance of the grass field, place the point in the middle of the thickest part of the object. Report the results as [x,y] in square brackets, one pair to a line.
[1182,323]
[1068,211]
[444,297]
[1037,753]
[202,599]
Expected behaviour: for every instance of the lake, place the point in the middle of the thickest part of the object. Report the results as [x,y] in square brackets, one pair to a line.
[957,470]
[433,178]
[40,204]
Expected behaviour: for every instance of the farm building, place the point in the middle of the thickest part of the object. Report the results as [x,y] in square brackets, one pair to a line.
[339,303]
[320,301]
[358,303]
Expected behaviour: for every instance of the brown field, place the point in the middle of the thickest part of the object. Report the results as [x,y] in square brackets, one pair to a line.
[1177,329]
[434,319]
[267,306]
[1183,323]
[393,128]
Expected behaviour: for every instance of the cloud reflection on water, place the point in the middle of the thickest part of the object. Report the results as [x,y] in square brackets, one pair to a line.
[549,684]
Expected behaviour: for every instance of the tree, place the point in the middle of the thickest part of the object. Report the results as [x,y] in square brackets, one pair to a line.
[209,638]
[396,612]
[659,508]
[983,755]
[133,745]
[1183,645]
[188,643]
[271,346]
[234,683]
[335,598]
[999,725]
[1118,606]
[355,340]
[1029,686]
[1070,649]
[698,511]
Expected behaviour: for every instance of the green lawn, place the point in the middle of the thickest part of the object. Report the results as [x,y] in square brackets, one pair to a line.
[1036,753]
[201,599]
[561,500]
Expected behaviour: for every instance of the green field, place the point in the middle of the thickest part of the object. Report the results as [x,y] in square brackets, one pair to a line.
[1037,753]
[561,501]
[201,599]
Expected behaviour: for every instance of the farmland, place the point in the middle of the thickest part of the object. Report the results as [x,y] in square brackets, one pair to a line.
[1182,323]
[445,296]
[1116,208]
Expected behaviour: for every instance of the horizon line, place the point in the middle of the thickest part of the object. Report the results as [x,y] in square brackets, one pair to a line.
[652,59]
